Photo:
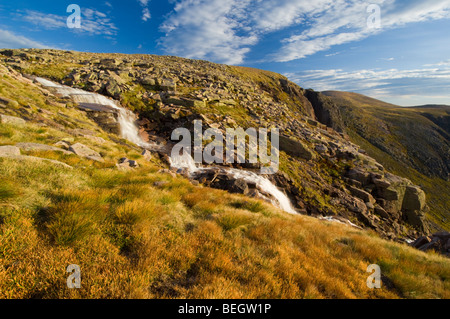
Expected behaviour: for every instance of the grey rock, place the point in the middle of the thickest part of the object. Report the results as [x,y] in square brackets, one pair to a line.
[7,150]
[84,151]
[360,175]
[361,194]
[27,147]
[147,155]
[6,119]
[296,148]
[414,199]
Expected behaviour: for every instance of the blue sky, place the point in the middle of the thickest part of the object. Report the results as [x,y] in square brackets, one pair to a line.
[397,51]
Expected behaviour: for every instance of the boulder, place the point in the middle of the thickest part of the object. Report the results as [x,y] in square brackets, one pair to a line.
[239,186]
[167,85]
[419,242]
[112,89]
[27,147]
[6,119]
[296,148]
[439,242]
[414,199]
[148,80]
[381,183]
[381,212]
[361,194]
[147,155]
[360,175]
[84,151]
[414,218]
[125,163]
[7,150]
[414,202]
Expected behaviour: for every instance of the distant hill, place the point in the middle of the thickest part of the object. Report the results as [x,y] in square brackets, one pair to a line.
[358,99]
[411,141]
[432,106]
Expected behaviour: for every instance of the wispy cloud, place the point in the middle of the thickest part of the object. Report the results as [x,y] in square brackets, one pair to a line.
[12,40]
[384,84]
[145,10]
[225,31]
[346,21]
[93,22]
[209,29]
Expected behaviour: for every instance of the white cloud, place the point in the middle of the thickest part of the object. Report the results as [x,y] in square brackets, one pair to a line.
[11,40]
[392,84]
[146,14]
[45,20]
[145,10]
[344,22]
[93,22]
[208,29]
[224,31]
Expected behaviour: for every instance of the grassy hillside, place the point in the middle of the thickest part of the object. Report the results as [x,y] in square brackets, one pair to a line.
[133,239]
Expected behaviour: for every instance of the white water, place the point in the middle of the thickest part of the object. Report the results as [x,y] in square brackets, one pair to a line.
[335,220]
[184,161]
[126,118]
[130,132]
[265,185]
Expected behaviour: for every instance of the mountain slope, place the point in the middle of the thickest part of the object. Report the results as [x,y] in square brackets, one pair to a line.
[411,142]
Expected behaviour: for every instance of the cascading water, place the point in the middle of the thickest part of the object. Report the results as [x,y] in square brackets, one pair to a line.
[186,161]
[126,118]
[266,186]
[130,132]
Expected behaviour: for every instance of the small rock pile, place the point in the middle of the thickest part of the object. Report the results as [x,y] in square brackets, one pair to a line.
[439,242]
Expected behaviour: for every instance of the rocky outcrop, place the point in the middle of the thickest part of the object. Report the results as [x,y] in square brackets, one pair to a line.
[391,197]
[7,150]
[296,148]
[325,110]
[439,242]
[27,147]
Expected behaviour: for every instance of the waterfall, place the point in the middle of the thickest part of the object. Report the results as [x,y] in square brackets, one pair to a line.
[266,186]
[126,118]
[130,131]
[186,161]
